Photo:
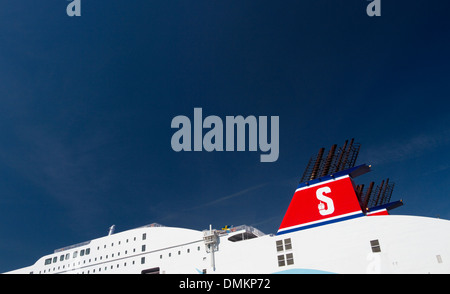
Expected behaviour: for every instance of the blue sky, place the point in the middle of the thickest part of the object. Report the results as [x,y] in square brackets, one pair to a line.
[86,105]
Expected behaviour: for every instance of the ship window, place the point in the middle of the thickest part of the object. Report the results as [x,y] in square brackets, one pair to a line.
[144,236]
[287,244]
[375,244]
[289,258]
[55,259]
[61,258]
[67,256]
[150,271]
[142,260]
[143,248]
[48,261]
[281,260]
[75,253]
[279,245]
[82,252]
[88,250]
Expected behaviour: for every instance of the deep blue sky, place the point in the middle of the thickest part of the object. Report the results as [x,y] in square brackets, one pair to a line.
[86,105]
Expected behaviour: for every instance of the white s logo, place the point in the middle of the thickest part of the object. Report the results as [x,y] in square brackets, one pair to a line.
[327,200]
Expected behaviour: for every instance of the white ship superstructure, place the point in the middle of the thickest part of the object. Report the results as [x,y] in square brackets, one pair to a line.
[329,227]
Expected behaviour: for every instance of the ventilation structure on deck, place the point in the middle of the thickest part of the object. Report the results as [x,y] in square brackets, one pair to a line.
[341,158]
[337,159]
[372,197]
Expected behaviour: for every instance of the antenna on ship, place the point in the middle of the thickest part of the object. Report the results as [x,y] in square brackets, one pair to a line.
[211,239]
[111,230]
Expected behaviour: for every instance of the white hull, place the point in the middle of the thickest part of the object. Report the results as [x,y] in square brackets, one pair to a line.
[408,244]
[328,228]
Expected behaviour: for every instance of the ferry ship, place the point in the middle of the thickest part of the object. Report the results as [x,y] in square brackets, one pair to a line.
[332,225]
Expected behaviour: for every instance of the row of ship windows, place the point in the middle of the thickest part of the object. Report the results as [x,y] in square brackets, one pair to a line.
[112,266]
[87,251]
[288,259]
[67,256]
[99,269]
